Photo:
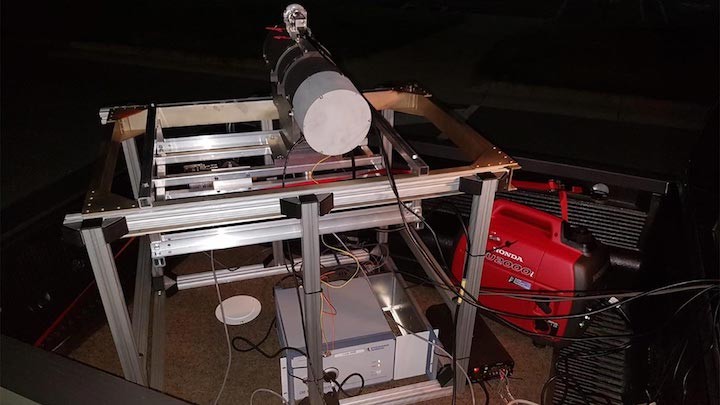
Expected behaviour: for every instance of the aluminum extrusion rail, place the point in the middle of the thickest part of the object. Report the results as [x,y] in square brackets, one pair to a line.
[208,212]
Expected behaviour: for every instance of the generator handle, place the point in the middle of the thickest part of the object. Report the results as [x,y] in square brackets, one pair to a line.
[538,219]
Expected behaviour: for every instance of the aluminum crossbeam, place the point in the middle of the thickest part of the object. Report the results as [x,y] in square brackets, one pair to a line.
[252,271]
[215,154]
[262,232]
[206,142]
[268,171]
[405,395]
[169,217]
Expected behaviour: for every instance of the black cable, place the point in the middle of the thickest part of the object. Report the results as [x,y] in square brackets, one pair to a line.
[254,345]
[285,278]
[389,230]
[393,186]
[302,316]
[569,316]
[631,336]
[603,337]
[261,351]
[689,371]
[578,387]
[545,386]
[485,390]
[664,375]
[342,384]
[352,160]
[700,359]
[458,215]
[468,297]
[680,358]
[509,293]
[287,157]
[454,352]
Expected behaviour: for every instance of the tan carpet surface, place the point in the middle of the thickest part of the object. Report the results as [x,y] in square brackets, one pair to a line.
[196,350]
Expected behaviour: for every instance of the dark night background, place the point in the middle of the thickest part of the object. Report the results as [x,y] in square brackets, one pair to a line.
[630,86]
[62,61]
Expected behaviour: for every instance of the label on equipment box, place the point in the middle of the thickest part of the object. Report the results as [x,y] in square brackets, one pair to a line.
[521,283]
[350,353]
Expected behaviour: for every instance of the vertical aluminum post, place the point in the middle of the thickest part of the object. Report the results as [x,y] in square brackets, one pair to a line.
[312,300]
[142,300]
[267,125]
[157,343]
[103,265]
[277,246]
[389,115]
[278,253]
[480,214]
[132,161]
[309,209]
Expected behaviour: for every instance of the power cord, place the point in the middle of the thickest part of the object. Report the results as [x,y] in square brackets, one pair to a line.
[485,390]
[342,384]
[269,391]
[302,316]
[454,351]
[256,346]
[227,333]
[287,157]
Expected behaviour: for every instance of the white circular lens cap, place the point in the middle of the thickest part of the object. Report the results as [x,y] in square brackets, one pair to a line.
[239,309]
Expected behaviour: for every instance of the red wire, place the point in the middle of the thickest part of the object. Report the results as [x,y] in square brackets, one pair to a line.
[334,179]
[67,310]
[332,339]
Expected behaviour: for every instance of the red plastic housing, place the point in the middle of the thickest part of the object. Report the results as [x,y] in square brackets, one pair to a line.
[540,258]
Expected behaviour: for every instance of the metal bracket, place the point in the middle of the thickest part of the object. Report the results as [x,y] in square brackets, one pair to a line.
[113,229]
[291,207]
[473,185]
[159,262]
[166,283]
[145,198]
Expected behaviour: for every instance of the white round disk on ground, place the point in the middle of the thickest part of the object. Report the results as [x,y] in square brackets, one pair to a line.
[239,309]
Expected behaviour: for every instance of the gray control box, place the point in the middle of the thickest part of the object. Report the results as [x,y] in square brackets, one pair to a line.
[359,339]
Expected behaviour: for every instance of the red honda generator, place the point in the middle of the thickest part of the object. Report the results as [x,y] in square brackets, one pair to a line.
[532,251]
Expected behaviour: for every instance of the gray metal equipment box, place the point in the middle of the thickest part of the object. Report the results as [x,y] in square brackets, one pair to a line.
[360,341]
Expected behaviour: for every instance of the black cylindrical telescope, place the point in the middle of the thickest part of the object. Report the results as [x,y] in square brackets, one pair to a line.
[326,106]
